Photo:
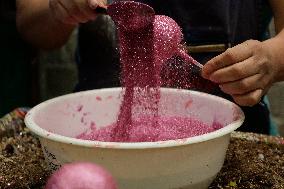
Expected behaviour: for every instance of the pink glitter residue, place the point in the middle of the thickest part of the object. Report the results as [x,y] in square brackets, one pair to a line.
[79,108]
[98,98]
[167,128]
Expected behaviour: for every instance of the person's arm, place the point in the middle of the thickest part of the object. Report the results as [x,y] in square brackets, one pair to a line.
[48,24]
[248,70]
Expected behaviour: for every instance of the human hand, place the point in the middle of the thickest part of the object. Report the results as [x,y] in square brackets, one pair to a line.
[75,11]
[245,71]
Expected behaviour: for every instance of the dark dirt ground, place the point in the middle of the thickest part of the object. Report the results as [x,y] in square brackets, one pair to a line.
[249,163]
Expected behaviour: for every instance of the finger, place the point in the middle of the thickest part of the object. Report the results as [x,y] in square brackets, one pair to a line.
[93,4]
[61,13]
[235,72]
[86,11]
[249,99]
[74,11]
[103,3]
[242,86]
[230,56]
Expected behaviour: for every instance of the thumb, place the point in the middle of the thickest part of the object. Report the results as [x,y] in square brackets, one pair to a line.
[93,4]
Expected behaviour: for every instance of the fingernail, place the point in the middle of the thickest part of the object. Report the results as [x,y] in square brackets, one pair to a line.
[204,74]
[205,71]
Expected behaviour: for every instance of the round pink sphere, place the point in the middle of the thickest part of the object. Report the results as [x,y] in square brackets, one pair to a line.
[81,175]
[167,37]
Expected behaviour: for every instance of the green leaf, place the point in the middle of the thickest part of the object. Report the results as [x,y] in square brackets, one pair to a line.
[233,184]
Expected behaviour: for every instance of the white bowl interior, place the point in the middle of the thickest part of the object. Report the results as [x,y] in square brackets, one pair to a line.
[73,114]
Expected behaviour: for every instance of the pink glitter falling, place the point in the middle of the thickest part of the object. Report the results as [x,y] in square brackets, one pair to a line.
[146,42]
[134,23]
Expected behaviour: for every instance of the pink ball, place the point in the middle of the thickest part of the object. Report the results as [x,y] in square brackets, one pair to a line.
[81,175]
[167,38]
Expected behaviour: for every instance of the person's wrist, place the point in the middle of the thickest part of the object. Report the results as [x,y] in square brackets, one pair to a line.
[275,48]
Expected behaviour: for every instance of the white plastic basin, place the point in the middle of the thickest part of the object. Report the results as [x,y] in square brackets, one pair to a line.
[174,164]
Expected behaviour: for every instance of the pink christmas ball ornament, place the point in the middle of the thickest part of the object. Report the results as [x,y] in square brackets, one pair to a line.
[81,175]
[167,41]
[167,37]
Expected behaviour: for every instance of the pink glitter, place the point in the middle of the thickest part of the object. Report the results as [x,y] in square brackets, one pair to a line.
[146,42]
[167,128]
[139,75]
[167,38]
[79,108]
[99,98]
[131,16]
